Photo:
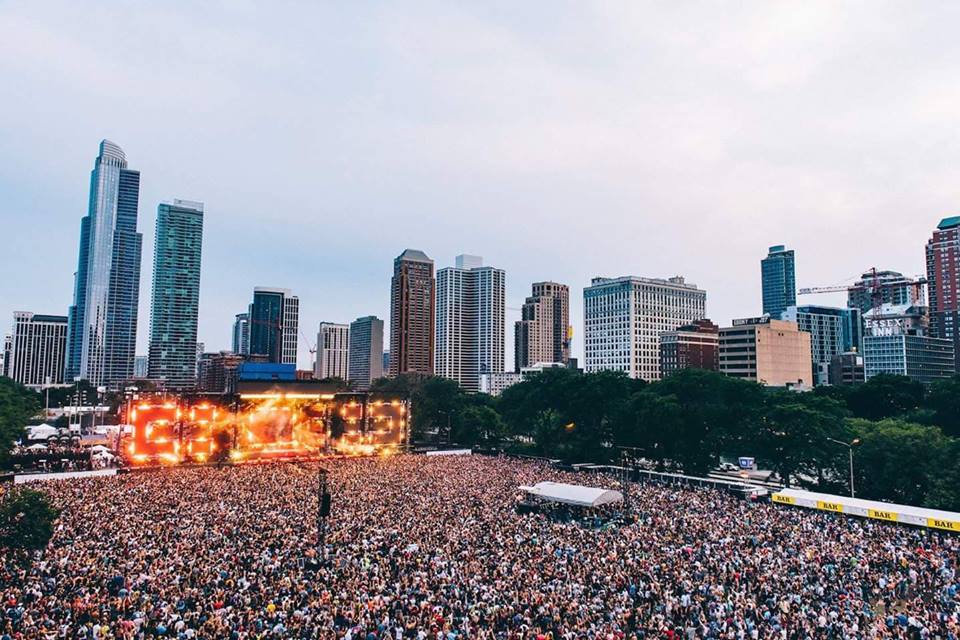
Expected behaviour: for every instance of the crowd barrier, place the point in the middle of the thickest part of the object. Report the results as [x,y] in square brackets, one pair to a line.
[888,512]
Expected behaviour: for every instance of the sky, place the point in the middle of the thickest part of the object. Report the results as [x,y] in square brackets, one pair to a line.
[558,140]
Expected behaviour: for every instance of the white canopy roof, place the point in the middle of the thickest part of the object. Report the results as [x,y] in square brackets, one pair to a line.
[574,494]
[37,447]
[41,432]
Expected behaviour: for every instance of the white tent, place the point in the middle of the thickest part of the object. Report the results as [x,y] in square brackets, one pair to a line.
[37,447]
[97,448]
[41,432]
[574,494]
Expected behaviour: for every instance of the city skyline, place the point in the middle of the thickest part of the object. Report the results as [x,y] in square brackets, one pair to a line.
[776,151]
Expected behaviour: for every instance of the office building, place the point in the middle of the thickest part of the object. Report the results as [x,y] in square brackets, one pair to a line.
[333,351]
[274,325]
[240,338]
[943,281]
[175,304]
[470,321]
[775,353]
[832,331]
[847,368]
[875,288]
[779,283]
[412,314]
[625,317]
[38,349]
[691,346]
[898,340]
[919,357]
[103,318]
[543,332]
[366,352]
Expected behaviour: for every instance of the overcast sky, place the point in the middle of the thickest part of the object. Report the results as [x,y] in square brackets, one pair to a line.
[558,140]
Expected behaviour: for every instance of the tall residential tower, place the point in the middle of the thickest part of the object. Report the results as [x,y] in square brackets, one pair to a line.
[779,280]
[174,306]
[103,318]
[470,321]
[943,282]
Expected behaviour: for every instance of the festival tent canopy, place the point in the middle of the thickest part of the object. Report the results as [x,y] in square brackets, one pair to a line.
[99,447]
[41,432]
[37,447]
[574,494]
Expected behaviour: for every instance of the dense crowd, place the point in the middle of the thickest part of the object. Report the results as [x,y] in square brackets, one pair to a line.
[423,548]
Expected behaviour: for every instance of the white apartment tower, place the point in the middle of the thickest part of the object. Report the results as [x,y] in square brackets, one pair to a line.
[333,351]
[470,321]
[625,317]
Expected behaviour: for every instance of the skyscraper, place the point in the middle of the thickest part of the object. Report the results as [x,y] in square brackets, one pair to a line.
[412,314]
[542,333]
[772,352]
[943,282]
[241,334]
[778,277]
[38,347]
[366,351]
[624,318]
[470,321]
[174,306]
[103,318]
[333,351]
[274,325]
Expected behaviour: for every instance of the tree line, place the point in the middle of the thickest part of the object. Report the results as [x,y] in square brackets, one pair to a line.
[905,438]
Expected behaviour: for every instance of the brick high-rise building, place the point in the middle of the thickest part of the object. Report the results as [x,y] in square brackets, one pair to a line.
[542,333]
[692,346]
[943,281]
[412,314]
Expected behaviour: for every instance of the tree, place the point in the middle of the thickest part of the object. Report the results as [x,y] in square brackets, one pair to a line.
[26,520]
[716,414]
[797,433]
[943,402]
[17,405]
[436,404]
[478,424]
[885,396]
[944,490]
[898,461]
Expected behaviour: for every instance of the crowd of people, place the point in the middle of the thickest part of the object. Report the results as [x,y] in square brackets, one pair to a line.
[432,548]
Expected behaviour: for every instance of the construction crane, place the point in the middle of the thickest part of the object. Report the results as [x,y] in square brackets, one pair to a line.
[870,282]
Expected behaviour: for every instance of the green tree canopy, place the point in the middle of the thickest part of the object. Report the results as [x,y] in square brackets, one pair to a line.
[17,405]
[885,396]
[26,519]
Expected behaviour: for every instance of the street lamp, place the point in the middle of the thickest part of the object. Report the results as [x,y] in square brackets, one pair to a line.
[849,445]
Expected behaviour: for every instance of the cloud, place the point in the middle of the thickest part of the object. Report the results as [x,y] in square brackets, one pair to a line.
[559,140]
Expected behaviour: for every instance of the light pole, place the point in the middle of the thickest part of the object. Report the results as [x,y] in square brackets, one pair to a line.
[849,445]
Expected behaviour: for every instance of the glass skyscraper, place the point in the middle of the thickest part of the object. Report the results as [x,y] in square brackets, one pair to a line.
[779,281]
[176,294]
[103,318]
